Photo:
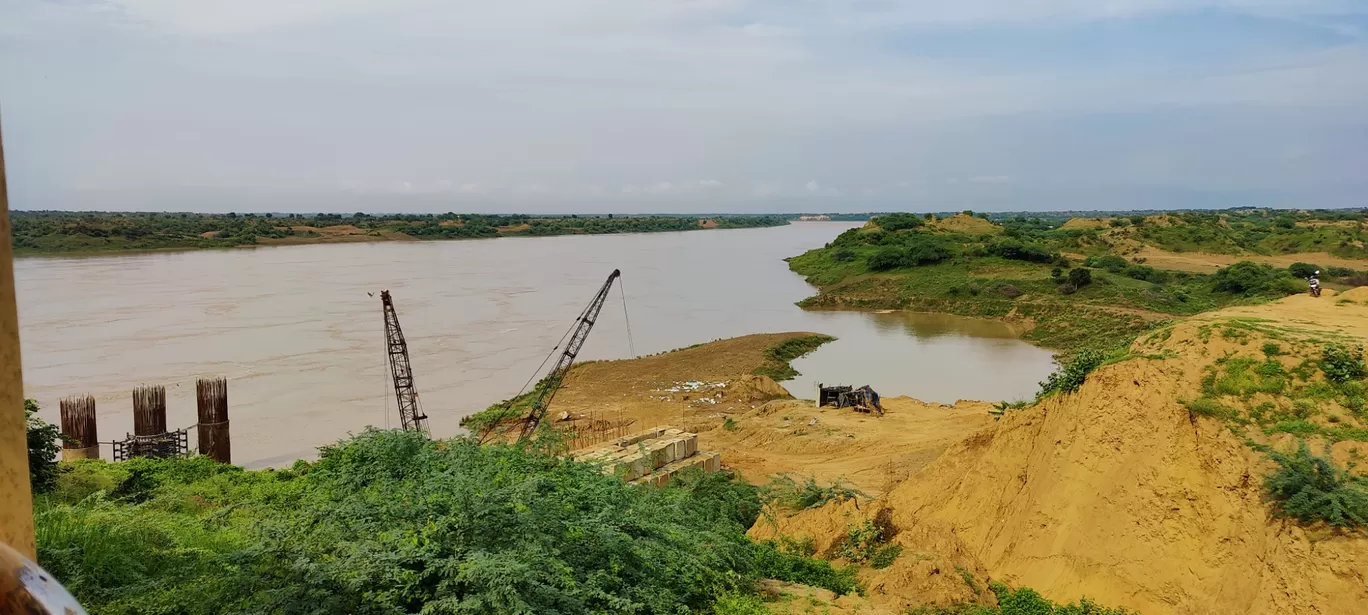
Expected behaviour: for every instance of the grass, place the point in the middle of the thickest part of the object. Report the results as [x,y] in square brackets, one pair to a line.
[777,357]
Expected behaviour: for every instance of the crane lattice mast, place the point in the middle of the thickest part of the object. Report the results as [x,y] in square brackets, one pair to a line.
[411,415]
[556,376]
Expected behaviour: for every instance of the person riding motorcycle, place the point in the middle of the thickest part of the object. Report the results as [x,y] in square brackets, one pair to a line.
[1314,282]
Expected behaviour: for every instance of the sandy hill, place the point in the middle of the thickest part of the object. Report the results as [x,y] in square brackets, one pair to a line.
[968,225]
[1119,493]
[1083,224]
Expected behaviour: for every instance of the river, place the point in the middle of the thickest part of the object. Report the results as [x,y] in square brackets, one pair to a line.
[300,339]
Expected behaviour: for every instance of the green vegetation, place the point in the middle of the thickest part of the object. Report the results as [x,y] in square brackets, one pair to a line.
[1310,488]
[1019,269]
[46,232]
[391,522]
[1343,365]
[784,491]
[507,410]
[1259,232]
[867,543]
[777,357]
[44,443]
[1070,376]
[1022,601]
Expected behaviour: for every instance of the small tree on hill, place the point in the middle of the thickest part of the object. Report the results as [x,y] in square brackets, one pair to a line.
[1080,277]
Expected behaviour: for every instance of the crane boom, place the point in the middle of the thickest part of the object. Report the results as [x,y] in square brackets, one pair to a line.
[583,324]
[410,413]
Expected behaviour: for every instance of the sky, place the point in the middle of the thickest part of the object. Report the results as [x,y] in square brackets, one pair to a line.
[555,106]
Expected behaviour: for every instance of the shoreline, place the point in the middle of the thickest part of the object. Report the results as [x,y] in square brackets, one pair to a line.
[25,253]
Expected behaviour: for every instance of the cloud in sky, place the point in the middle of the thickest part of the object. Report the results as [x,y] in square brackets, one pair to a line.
[537,105]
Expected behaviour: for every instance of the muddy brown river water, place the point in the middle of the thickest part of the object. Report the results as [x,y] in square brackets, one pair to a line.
[301,342]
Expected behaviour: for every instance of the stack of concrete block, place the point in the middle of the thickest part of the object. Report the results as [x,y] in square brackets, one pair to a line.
[652,456]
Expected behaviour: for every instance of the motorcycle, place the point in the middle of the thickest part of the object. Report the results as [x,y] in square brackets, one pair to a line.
[1315,289]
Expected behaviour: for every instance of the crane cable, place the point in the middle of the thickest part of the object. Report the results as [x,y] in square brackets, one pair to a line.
[631,345]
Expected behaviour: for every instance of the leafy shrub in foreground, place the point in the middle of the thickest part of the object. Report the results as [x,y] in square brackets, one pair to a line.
[390,522]
[1068,378]
[1310,488]
[1342,364]
[1021,601]
[1025,601]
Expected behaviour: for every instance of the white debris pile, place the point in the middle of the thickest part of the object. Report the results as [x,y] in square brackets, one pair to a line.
[697,392]
[694,385]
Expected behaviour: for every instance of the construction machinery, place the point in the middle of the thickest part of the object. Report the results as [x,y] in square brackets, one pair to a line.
[411,415]
[862,399]
[576,336]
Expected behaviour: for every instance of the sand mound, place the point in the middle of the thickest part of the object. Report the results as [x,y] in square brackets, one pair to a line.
[751,387]
[968,225]
[1083,224]
[1118,493]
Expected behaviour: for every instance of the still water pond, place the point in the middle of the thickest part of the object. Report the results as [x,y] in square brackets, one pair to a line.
[295,331]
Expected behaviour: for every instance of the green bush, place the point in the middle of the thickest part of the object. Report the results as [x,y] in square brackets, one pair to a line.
[1146,273]
[44,444]
[1017,250]
[1311,488]
[1303,270]
[739,604]
[1026,601]
[1250,278]
[1342,364]
[898,222]
[1068,378]
[911,250]
[867,543]
[1110,262]
[1080,277]
[391,522]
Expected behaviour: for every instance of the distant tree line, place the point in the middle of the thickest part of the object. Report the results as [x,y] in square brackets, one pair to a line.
[57,231]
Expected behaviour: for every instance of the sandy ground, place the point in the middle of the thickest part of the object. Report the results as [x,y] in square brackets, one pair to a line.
[1085,223]
[1119,493]
[768,436]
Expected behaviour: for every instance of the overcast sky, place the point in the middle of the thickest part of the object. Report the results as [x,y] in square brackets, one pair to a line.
[683,105]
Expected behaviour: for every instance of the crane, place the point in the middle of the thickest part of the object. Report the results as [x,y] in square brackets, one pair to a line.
[556,376]
[410,412]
